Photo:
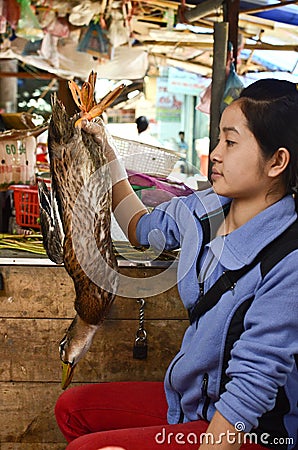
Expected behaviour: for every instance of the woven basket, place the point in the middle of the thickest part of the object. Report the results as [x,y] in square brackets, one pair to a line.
[144,158]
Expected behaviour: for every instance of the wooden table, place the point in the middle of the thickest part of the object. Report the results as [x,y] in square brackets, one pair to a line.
[36,307]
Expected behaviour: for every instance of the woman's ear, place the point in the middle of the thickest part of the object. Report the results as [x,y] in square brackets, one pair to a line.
[278,162]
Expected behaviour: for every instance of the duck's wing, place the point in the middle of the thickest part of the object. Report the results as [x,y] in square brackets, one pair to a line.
[51,226]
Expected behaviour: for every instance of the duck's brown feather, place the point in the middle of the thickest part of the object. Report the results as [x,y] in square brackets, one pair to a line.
[81,183]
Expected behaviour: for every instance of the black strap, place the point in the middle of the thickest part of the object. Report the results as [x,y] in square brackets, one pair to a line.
[226,282]
[210,224]
[274,252]
[284,244]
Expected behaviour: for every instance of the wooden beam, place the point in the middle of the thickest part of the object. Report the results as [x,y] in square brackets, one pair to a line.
[162,4]
[265,46]
[246,20]
[41,76]
[209,45]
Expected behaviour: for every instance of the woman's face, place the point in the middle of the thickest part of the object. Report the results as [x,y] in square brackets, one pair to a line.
[239,170]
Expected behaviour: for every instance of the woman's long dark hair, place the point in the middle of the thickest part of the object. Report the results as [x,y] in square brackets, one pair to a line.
[271,110]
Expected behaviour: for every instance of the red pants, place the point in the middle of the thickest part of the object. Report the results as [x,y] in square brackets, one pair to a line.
[131,415]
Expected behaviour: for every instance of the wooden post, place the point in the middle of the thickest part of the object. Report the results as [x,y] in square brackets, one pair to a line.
[8,86]
[231,15]
[218,80]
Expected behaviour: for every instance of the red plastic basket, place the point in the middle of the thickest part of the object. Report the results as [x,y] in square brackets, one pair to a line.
[26,206]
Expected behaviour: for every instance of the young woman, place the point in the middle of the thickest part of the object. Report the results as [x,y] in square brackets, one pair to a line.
[235,374]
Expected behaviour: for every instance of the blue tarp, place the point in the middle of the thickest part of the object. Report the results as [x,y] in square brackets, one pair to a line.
[284,14]
[277,61]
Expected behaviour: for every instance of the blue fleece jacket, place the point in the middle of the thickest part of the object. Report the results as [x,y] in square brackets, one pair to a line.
[262,360]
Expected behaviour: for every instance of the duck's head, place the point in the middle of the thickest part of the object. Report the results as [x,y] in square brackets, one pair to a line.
[74,346]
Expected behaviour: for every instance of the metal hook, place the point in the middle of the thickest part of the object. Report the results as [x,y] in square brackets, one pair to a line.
[142,302]
[141,313]
[140,345]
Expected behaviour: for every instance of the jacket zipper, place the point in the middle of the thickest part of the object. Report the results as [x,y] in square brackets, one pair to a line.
[205,396]
[202,276]
[181,416]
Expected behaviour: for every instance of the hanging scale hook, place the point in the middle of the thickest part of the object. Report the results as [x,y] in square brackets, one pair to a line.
[140,344]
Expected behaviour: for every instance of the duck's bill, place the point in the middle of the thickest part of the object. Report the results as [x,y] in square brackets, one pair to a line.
[67,374]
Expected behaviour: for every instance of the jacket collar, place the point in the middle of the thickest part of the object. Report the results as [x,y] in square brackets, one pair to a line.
[242,245]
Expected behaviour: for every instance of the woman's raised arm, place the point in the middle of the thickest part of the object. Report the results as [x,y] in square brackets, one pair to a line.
[126,205]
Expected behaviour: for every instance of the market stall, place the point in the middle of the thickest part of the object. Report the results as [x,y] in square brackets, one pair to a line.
[37,299]
[36,307]
[36,295]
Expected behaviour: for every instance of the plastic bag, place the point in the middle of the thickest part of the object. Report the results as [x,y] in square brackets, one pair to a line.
[58,27]
[174,187]
[82,14]
[118,34]
[32,48]
[205,100]
[28,25]
[94,41]
[233,88]
[49,50]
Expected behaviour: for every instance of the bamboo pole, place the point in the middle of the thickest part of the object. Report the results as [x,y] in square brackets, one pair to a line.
[202,9]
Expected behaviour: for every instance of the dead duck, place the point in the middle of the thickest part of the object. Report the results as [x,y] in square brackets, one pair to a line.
[75,220]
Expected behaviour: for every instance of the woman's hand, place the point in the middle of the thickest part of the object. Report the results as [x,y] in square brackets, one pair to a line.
[105,142]
[221,435]
[102,137]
